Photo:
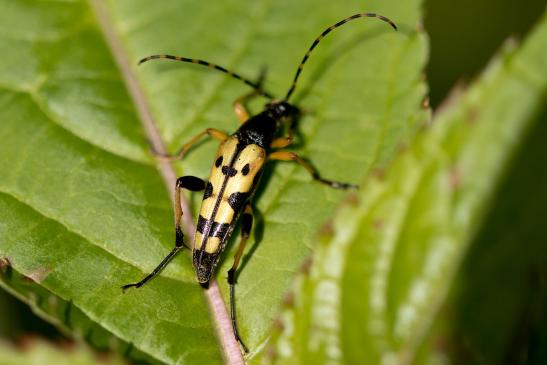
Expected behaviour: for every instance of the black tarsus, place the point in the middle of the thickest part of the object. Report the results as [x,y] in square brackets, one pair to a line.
[191,183]
[246,226]
[158,268]
[231,282]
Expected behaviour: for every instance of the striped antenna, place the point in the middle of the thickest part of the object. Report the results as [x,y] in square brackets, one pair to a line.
[327,31]
[254,85]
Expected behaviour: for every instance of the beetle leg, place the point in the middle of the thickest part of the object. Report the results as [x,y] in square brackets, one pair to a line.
[282,142]
[239,106]
[291,156]
[215,133]
[191,183]
[246,225]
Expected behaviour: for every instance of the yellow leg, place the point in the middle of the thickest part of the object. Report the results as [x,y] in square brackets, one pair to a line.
[215,133]
[239,106]
[291,156]
[282,142]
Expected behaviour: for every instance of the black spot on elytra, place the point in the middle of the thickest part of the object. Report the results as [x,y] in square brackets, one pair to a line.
[229,171]
[236,200]
[245,170]
[208,191]
[218,162]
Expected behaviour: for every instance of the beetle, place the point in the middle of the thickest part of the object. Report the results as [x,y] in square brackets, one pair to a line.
[236,171]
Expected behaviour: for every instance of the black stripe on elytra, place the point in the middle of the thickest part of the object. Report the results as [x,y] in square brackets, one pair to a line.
[208,191]
[237,199]
[229,171]
[201,223]
[219,229]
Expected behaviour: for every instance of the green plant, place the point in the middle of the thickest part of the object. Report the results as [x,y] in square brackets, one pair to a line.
[84,208]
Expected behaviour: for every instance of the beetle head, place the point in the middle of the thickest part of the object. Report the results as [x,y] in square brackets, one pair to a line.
[282,110]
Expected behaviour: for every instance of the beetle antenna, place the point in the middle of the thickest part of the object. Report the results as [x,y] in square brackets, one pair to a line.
[327,31]
[256,86]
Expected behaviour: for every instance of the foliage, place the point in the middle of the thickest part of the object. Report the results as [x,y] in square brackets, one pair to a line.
[83,207]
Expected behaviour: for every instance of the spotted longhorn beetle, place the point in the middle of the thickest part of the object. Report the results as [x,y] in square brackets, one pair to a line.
[238,165]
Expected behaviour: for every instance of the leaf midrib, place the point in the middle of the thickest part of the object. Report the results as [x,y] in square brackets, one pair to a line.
[217,307]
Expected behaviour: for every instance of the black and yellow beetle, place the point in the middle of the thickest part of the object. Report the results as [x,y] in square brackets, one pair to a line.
[236,170]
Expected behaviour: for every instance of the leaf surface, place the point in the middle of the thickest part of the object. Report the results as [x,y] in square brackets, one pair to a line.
[84,210]
[39,352]
[343,136]
[385,264]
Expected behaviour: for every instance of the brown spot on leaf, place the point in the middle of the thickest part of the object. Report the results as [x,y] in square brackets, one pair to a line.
[425,103]
[327,229]
[353,199]
[306,266]
[289,299]
[379,173]
[473,115]
[38,275]
[378,224]
[278,324]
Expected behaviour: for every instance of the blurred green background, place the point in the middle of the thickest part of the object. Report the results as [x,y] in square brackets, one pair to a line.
[459,51]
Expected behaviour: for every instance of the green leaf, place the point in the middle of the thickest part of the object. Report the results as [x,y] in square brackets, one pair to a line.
[39,352]
[385,264]
[84,210]
[344,137]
